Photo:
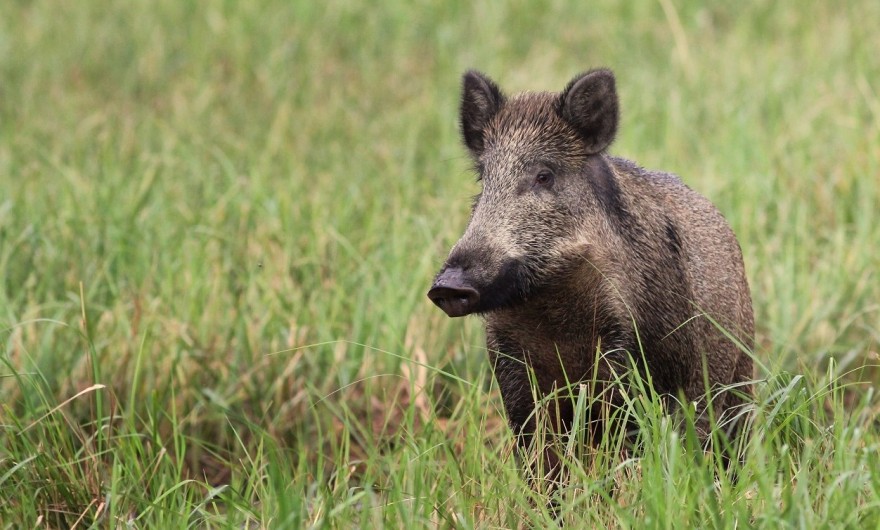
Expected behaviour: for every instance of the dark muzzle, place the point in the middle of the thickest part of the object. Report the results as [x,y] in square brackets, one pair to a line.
[452,293]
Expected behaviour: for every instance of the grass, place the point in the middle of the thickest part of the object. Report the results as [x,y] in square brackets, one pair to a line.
[218,222]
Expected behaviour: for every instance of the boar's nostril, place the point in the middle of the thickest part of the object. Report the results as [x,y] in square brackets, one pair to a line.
[455,302]
[452,293]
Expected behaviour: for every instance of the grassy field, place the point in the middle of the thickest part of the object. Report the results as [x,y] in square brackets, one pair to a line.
[218,222]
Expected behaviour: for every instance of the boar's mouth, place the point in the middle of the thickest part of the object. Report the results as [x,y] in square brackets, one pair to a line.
[458,292]
[453,294]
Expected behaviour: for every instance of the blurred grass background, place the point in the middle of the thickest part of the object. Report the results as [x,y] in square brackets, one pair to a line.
[228,214]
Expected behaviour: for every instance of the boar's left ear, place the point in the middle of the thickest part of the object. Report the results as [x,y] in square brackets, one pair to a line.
[589,104]
[480,101]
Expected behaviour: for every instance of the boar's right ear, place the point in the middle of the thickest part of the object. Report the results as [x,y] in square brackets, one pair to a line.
[589,104]
[480,101]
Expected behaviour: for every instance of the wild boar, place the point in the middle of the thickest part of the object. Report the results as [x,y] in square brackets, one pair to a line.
[583,264]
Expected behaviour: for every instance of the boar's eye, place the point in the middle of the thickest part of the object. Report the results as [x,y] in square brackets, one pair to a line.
[544,179]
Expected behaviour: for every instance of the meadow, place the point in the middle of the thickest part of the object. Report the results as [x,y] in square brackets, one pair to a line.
[219,220]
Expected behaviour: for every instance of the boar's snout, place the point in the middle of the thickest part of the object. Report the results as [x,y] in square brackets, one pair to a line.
[453,294]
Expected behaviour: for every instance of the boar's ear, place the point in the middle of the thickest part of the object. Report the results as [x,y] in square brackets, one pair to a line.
[480,101]
[589,103]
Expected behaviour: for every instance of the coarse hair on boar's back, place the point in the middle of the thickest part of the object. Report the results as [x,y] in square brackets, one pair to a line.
[584,265]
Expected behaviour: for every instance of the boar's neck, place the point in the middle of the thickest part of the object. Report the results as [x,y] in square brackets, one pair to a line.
[561,325]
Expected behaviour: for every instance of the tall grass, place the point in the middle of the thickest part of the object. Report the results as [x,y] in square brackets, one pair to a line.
[218,222]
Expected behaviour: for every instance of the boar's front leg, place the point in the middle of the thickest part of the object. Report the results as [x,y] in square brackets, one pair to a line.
[519,393]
